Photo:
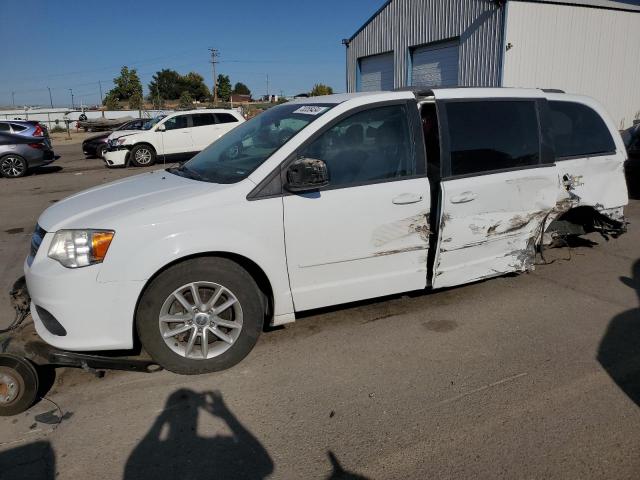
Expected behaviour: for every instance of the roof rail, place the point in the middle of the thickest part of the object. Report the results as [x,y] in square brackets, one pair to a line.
[552,90]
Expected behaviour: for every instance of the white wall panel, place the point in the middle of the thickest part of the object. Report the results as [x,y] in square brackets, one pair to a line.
[588,51]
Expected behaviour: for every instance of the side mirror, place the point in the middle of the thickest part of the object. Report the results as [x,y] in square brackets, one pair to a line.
[306,174]
[161,128]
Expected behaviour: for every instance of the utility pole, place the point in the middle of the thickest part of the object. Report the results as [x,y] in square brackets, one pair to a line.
[73,107]
[101,101]
[50,97]
[214,59]
[268,96]
[13,99]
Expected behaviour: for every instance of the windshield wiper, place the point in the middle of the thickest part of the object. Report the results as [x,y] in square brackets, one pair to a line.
[183,171]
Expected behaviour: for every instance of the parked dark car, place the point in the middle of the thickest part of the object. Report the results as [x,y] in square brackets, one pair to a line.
[96,146]
[631,138]
[18,154]
[27,128]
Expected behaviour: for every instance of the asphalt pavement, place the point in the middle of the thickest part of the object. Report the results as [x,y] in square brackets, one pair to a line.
[528,376]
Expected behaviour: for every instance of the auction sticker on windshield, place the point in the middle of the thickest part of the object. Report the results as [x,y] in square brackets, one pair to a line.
[310,110]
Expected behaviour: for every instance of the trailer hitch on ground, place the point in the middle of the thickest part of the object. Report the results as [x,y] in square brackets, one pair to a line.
[23,355]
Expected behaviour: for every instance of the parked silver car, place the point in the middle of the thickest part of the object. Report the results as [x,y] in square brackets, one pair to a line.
[18,154]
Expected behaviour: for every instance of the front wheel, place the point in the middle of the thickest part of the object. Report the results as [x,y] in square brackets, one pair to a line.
[200,316]
[142,155]
[102,151]
[18,384]
[13,166]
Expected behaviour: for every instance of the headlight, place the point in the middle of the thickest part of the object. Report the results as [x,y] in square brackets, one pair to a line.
[79,248]
[121,140]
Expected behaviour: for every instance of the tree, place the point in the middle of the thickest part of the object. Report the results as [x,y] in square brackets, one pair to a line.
[111,101]
[127,84]
[241,89]
[186,100]
[166,85]
[194,83]
[320,89]
[224,87]
[135,102]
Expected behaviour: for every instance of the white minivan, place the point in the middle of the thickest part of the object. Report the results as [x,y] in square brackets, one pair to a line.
[179,135]
[319,202]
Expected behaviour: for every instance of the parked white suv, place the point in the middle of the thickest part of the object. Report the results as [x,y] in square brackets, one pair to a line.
[319,202]
[178,135]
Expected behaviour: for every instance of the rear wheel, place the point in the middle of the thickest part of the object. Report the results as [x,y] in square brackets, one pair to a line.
[18,384]
[200,316]
[13,166]
[142,155]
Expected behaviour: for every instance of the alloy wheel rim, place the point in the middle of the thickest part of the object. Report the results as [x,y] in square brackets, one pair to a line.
[200,320]
[143,156]
[12,167]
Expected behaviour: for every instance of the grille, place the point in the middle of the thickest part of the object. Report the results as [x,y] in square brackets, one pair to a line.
[36,240]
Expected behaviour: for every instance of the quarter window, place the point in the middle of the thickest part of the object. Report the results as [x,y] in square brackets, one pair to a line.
[175,123]
[492,135]
[225,118]
[370,146]
[18,128]
[578,131]
[203,119]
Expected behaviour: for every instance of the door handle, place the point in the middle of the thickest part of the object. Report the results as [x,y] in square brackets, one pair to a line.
[464,197]
[407,199]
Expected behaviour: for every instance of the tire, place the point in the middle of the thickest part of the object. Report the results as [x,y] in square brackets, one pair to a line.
[13,166]
[101,151]
[142,155]
[214,276]
[18,384]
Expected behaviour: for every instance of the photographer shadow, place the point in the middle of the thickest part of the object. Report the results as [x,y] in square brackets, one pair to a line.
[619,350]
[172,448]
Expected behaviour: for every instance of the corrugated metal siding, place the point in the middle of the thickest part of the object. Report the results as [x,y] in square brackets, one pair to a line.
[404,24]
[587,51]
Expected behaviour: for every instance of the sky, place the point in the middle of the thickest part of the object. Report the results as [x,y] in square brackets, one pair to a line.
[75,44]
[65,44]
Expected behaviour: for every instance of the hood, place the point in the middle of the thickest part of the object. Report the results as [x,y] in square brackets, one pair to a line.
[105,205]
[122,133]
[95,138]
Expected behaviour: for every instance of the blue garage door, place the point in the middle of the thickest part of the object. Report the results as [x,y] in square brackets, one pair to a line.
[435,65]
[376,73]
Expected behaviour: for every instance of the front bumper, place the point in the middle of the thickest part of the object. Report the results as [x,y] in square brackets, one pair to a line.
[95,315]
[116,158]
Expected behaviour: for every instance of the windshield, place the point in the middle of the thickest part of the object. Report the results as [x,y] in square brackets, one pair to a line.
[149,124]
[238,153]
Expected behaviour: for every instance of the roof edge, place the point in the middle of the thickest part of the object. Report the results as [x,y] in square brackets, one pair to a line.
[624,7]
[369,20]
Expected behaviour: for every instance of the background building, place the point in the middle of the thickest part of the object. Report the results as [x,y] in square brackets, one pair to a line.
[591,47]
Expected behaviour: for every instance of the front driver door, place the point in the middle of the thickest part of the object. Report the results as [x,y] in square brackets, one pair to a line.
[177,136]
[498,186]
[366,234]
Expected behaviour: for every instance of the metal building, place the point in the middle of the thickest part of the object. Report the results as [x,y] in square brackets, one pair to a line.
[589,47]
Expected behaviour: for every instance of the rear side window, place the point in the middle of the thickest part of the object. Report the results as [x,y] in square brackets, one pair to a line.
[225,118]
[4,127]
[18,128]
[578,131]
[203,119]
[492,135]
